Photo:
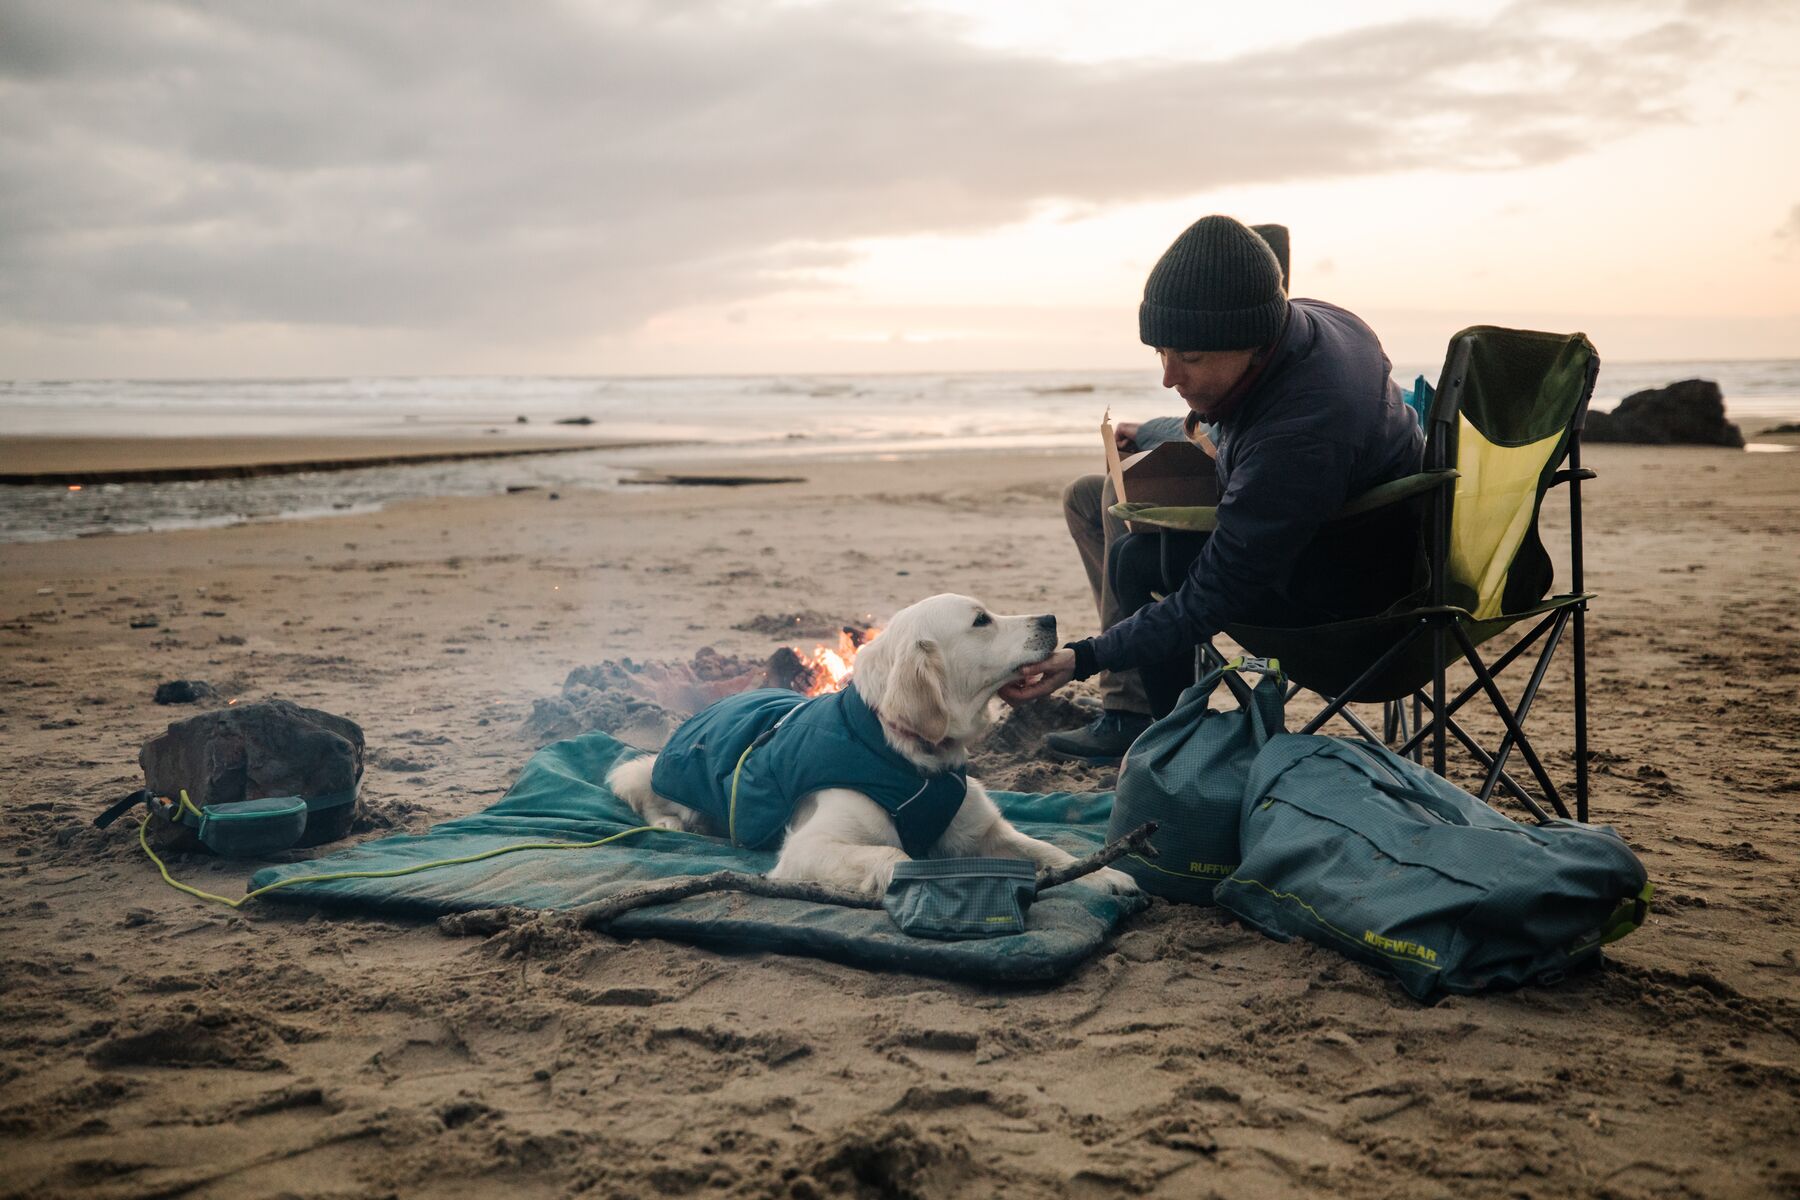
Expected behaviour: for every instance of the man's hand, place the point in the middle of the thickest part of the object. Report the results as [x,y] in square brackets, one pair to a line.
[1125,436]
[1040,678]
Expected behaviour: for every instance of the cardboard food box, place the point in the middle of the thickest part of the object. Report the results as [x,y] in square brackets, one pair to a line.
[1179,474]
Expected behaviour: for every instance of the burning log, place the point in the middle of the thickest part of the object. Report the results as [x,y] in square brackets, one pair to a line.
[827,668]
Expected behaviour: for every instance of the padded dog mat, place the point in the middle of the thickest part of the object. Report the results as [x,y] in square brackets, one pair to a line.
[559,798]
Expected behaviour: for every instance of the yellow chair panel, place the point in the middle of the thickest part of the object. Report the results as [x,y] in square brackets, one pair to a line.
[1496,496]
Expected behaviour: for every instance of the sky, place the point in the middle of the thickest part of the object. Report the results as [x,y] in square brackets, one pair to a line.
[339,187]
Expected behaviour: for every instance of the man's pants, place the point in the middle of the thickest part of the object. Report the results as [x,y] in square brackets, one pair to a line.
[1085,502]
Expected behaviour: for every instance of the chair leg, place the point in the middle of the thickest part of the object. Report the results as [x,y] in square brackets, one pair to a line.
[1525,702]
[1355,722]
[1581,749]
[1506,716]
[1439,713]
[1511,786]
[1335,704]
[1422,729]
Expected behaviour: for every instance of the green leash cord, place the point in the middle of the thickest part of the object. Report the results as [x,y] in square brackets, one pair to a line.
[144,841]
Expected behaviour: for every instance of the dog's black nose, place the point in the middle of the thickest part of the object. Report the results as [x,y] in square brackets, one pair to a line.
[1045,623]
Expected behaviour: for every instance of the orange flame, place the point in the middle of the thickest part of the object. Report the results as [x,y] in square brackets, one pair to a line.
[829,667]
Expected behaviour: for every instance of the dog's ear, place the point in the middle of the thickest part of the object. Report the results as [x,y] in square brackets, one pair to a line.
[914,696]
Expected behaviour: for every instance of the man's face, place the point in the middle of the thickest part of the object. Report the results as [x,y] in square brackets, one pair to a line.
[1202,377]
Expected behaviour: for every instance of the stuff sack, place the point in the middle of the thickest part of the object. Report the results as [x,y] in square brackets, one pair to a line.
[1187,773]
[1351,846]
[250,780]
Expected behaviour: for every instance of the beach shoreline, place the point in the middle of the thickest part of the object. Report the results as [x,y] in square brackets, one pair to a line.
[47,459]
[369,1055]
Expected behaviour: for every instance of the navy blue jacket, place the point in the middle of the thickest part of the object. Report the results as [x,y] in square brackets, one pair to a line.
[1323,422]
[834,740]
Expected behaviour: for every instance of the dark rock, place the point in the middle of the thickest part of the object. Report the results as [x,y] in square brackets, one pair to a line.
[185,691]
[1691,412]
[273,748]
[1784,427]
[521,419]
[146,621]
[575,421]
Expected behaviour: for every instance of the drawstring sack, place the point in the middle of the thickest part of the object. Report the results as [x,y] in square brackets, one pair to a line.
[1187,772]
[1356,848]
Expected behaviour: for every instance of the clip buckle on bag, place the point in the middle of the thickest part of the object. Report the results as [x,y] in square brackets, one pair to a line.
[954,898]
[1187,773]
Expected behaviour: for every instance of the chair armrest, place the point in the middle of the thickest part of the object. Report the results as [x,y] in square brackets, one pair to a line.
[1565,475]
[1175,519]
[1394,491]
[1204,520]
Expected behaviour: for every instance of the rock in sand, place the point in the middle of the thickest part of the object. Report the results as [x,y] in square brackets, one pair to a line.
[1691,412]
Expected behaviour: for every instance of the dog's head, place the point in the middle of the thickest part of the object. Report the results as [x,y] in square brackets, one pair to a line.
[930,674]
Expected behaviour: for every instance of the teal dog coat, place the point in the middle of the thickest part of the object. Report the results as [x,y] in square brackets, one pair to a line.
[746,761]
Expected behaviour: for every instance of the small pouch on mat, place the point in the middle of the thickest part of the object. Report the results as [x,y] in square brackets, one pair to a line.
[247,828]
[954,898]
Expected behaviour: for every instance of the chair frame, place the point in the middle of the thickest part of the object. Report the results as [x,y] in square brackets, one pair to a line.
[1433,709]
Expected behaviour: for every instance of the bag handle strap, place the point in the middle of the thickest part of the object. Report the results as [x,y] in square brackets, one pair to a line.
[121,806]
[1424,799]
[1232,672]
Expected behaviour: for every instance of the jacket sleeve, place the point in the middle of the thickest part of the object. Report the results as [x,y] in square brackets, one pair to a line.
[1282,488]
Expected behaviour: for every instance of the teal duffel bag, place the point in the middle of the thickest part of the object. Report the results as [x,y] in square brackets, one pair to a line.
[1187,773]
[1351,846]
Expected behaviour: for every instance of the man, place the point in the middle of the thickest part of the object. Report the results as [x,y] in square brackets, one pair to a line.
[1306,417]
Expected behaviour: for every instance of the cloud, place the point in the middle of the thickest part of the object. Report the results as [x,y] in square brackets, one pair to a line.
[548,170]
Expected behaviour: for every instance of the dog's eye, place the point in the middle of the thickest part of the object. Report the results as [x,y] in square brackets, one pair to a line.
[981,619]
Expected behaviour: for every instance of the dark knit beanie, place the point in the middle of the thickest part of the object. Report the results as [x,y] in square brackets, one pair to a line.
[1219,287]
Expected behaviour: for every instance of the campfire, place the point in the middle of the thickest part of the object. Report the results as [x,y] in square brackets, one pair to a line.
[653,697]
[827,668]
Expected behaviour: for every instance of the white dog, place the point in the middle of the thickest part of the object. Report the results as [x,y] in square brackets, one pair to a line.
[862,776]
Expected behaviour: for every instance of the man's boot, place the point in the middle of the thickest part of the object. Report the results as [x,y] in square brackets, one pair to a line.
[1103,742]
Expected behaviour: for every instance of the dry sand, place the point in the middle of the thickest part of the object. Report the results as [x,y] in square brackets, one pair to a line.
[157,1046]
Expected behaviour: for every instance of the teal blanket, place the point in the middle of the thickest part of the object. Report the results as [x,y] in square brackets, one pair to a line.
[558,798]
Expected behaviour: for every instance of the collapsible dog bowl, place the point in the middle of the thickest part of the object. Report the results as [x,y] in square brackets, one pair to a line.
[247,828]
[952,898]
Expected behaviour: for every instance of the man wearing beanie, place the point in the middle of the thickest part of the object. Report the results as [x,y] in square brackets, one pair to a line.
[1306,417]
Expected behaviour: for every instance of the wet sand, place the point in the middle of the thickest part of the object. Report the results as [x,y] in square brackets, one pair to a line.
[85,460]
[158,1046]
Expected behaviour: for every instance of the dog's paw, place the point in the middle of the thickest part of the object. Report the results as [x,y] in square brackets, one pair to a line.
[876,885]
[1112,880]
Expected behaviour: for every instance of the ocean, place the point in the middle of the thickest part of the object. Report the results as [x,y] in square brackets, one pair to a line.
[737,418]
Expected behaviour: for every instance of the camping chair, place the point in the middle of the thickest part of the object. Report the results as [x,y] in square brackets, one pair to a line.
[1507,415]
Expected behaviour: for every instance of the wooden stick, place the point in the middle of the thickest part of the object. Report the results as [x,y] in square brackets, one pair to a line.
[601,913]
[1135,842]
